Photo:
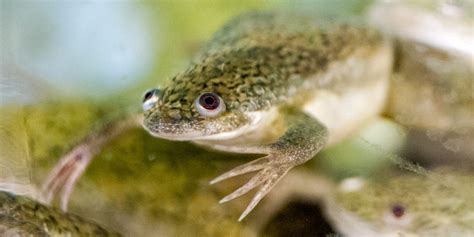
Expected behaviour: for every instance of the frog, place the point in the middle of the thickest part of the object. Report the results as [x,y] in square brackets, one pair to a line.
[205,105]
[271,83]
[21,215]
[407,204]
[395,203]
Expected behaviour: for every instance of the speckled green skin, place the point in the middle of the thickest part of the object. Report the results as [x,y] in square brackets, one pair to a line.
[160,162]
[262,65]
[440,204]
[24,216]
[257,61]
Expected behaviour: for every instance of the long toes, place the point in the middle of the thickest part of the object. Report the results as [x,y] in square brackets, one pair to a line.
[72,178]
[62,172]
[251,184]
[56,180]
[272,179]
[255,165]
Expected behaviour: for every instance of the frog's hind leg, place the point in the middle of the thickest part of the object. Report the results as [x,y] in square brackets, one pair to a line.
[304,137]
[65,174]
[69,169]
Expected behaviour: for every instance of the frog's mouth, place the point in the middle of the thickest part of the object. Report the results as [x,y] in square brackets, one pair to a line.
[199,135]
[183,131]
[177,137]
[220,129]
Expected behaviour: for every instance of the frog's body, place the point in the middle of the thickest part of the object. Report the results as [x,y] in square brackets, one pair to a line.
[284,78]
[280,84]
[261,62]
[405,205]
[395,204]
[23,216]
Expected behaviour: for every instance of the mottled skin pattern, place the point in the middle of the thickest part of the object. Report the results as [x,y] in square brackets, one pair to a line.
[260,63]
[22,216]
[438,205]
[255,62]
[269,69]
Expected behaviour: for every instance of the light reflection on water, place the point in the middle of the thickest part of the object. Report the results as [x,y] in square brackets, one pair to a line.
[81,48]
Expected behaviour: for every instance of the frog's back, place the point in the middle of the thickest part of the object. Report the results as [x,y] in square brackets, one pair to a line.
[269,56]
[22,215]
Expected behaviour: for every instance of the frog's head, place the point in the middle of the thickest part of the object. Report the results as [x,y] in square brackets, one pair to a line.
[408,204]
[190,109]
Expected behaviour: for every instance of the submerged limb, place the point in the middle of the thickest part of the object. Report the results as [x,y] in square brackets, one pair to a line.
[72,163]
[71,166]
[304,138]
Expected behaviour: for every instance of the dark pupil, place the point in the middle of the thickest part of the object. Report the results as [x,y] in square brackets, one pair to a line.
[398,211]
[209,101]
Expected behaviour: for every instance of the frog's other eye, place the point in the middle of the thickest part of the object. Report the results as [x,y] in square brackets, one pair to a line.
[150,98]
[398,210]
[209,104]
[397,216]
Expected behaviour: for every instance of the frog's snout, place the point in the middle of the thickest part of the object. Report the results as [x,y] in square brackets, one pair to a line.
[171,128]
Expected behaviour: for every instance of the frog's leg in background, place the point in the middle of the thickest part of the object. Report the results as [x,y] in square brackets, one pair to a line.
[304,138]
[71,166]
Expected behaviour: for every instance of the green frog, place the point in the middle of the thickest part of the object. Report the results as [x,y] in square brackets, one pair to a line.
[405,205]
[395,203]
[285,85]
[24,216]
[271,84]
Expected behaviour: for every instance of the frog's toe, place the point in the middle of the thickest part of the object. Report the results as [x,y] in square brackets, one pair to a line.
[65,174]
[270,173]
[256,180]
[270,177]
[252,166]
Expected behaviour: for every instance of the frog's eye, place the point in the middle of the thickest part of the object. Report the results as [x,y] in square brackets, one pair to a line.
[209,104]
[397,215]
[150,98]
[398,210]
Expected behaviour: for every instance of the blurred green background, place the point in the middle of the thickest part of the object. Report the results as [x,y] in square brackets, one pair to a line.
[100,49]
[69,66]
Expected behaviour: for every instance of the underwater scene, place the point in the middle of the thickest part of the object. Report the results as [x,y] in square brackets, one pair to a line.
[237,118]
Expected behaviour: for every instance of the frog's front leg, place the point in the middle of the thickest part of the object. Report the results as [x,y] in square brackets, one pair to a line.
[305,136]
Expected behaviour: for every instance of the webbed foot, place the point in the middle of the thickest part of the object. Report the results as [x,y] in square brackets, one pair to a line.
[65,175]
[304,137]
[268,176]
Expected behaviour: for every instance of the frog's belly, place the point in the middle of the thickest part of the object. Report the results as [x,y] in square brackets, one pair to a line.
[344,111]
[344,114]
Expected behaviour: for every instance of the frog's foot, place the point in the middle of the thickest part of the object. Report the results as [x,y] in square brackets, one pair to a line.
[64,176]
[67,172]
[304,137]
[268,176]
